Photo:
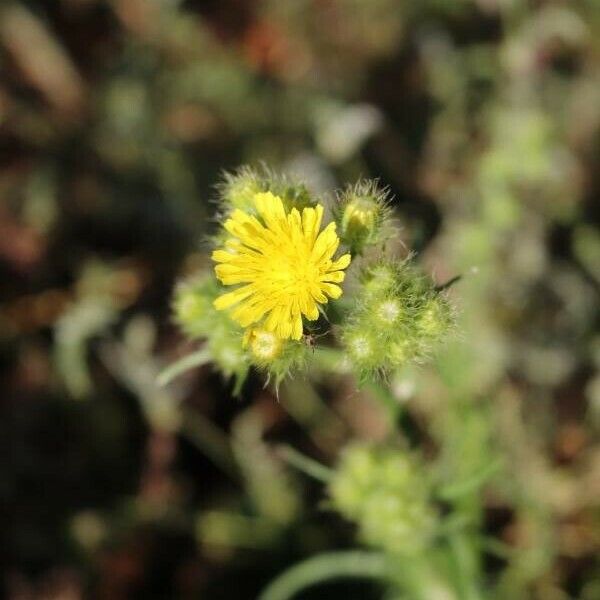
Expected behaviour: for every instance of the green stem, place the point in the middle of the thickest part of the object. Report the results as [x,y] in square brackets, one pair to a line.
[464,558]
[332,565]
[196,359]
[305,464]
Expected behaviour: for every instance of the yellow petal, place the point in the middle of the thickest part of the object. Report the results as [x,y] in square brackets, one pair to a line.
[332,290]
[297,328]
[334,276]
[341,263]
[228,300]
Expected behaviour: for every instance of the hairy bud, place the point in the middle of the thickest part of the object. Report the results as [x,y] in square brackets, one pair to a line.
[362,215]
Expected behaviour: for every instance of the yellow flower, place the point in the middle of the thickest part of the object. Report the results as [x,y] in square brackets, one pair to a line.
[284,262]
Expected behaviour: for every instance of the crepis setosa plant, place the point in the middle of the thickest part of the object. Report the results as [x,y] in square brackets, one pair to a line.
[276,290]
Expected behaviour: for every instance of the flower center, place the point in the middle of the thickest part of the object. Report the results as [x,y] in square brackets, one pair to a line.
[291,271]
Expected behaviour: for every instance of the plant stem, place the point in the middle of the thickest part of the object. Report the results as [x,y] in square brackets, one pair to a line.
[196,359]
[332,565]
[306,464]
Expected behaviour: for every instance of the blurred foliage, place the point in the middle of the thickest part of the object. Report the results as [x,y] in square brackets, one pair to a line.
[117,118]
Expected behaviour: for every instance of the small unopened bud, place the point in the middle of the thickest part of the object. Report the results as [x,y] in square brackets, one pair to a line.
[361,346]
[379,279]
[435,318]
[363,215]
[193,305]
[264,345]
[388,311]
[402,351]
[273,355]
[237,190]
[198,318]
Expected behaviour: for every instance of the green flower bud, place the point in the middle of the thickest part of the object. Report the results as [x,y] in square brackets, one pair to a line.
[237,190]
[378,280]
[388,311]
[197,317]
[364,350]
[265,346]
[273,355]
[398,317]
[193,305]
[362,215]
[383,491]
[225,344]
[402,351]
[294,195]
[436,317]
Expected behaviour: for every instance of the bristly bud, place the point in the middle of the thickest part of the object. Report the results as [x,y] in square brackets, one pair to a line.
[398,317]
[273,355]
[362,215]
[383,491]
[237,190]
[264,345]
[192,305]
[197,317]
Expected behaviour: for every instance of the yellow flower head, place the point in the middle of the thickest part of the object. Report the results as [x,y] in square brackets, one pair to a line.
[283,261]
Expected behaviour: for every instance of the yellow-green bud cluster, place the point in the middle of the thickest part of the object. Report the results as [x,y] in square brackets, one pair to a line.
[383,491]
[231,349]
[398,317]
[362,215]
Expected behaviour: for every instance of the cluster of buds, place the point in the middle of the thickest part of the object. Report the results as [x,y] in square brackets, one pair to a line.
[398,316]
[383,491]
[275,245]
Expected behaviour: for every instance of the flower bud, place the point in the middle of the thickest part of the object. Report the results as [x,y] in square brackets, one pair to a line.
[435,318]
[363,349]
[388,311]
[294,195]
[362,215]
[237,190]
[398,317]
[193,305]
[264,345]
[197,317]
[383,491]
[276,356]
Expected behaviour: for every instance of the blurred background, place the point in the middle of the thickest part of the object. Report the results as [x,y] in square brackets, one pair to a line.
[117,118]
